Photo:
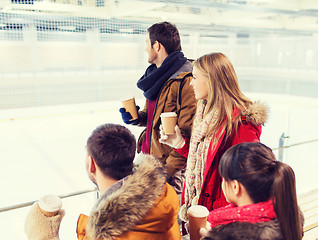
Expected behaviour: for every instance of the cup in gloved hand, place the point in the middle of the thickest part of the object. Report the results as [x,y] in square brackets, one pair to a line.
[130,106]
[169,121]
[175,140]
[50,205]
[198,216]
[38,225]
[204,231]
[127,118]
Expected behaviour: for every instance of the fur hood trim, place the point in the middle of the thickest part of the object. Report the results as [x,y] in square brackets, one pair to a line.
[256,113]
[119,212]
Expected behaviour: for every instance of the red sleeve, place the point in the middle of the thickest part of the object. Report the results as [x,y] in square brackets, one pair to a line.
[184,151]
[247,132]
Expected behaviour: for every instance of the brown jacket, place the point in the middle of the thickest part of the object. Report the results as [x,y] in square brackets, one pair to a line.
[168,101]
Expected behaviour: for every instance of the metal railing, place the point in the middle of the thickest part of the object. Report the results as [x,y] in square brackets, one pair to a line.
[281,146]
[27,204]
[280,157]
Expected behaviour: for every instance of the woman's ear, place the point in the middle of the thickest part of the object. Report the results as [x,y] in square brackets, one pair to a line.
[236,187]
[242,196]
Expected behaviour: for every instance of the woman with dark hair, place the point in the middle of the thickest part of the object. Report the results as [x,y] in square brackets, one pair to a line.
[224,117]
[262,196]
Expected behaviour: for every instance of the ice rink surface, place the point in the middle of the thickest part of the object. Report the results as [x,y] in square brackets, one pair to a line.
[43,151]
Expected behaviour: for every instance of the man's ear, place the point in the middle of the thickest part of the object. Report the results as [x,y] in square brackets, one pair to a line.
[91,164]
[156,46]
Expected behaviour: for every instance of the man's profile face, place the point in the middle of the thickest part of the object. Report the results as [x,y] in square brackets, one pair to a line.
[152,54]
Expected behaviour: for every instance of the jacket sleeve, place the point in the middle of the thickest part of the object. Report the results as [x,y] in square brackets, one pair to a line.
[186,112]
[184,151]
[247,132]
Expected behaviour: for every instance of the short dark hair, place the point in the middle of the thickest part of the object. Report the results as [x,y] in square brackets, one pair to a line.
[113,148]
[167,34]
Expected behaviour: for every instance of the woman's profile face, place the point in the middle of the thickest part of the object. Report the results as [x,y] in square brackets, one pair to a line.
[199,84]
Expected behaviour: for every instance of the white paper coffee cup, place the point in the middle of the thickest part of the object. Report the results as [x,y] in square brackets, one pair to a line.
[50,205]
[169,121]
[198,216]
[130,105]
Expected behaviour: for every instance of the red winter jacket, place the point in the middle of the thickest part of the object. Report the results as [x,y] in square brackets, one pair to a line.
[249,130]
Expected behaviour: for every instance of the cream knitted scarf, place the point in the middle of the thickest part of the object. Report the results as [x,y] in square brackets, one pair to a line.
[199,146]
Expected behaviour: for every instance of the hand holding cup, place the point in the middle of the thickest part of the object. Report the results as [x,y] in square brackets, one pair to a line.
[169,121]
[198,216]
[175,140]
[50,205]
[44,218]
[130,106]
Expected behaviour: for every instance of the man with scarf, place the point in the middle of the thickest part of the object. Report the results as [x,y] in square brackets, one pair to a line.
[166,87]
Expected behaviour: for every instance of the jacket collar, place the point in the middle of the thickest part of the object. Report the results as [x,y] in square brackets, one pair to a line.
[184,70]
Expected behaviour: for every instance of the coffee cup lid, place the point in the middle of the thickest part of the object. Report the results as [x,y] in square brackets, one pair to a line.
[198,211]
[127,98]
[168,114]
[50,203]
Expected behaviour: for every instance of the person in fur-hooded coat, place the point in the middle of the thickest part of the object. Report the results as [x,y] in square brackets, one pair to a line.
[249,130]
[141,206]
[224,117]
[208,191]
[136,201]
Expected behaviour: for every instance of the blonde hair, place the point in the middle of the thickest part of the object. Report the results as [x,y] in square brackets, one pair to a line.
[224,95]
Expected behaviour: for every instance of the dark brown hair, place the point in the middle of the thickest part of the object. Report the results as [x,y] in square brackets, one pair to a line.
[167,34]
[254,165]
[113,148]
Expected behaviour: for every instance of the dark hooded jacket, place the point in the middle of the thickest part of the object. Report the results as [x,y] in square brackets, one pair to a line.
[248,231]
[269,230]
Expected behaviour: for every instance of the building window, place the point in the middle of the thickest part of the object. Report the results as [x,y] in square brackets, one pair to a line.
[22,1]
[100,3]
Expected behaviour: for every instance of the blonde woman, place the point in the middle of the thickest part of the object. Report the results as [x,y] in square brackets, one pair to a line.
[224,117]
